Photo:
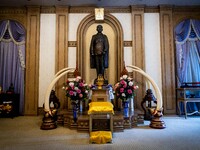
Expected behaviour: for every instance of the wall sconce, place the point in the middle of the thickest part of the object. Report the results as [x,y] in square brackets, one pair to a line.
[99,14]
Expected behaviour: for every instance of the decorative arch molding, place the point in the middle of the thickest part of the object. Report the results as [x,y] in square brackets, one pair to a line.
[81,32]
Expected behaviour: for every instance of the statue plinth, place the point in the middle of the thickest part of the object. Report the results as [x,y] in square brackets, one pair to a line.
[99,95]
[100,82]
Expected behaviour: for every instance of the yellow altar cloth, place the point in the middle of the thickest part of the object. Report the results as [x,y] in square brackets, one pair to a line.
[100,107]
[100,137]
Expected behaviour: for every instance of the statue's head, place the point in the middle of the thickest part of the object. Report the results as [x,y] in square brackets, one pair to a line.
[99,28]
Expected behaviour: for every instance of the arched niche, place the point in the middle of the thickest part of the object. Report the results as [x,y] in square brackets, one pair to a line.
[113,29]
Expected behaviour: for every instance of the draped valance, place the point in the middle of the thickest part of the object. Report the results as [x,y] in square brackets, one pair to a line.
[12,31]
[187,29]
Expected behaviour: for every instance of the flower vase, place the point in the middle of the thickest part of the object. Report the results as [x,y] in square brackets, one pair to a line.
[131,107]
[75,116]
[81,106]
[126,108]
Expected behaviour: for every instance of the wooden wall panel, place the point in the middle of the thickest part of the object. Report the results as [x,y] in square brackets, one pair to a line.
[32,61]
[61,49]
[138,50]
[167,60]
[61,43]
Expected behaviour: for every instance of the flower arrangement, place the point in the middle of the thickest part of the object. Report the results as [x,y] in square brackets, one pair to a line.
[125,88]
[77,89]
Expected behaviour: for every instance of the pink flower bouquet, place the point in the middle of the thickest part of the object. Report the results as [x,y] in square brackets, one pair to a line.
[125,88]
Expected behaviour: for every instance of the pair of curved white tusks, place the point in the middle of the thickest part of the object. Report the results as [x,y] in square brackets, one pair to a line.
[57,76]
[155,86]
[134,68]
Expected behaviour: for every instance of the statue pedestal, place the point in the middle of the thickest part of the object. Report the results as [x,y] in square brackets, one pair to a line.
[99,95]
[105,82]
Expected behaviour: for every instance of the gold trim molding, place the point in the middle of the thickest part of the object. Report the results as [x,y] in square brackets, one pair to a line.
[166,7]
[127,43]
[187,9]
[62,9]
[151,9]
[72,43]
[118,10]
[48,10]
[107,9]
[137,8]
[81,9]
[12,10]
[33,9]
[148,9]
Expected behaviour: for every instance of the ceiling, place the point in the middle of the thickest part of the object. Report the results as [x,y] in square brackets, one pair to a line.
[99,3]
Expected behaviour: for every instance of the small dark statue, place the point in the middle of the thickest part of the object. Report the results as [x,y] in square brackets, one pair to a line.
[11,89]
[149,98]
[53,99]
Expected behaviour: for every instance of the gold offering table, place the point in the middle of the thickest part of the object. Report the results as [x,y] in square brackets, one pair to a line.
[100,110]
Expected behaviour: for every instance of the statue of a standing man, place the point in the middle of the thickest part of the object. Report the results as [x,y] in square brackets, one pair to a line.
[99,51]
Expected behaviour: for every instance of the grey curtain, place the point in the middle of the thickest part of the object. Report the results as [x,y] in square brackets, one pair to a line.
[12,58]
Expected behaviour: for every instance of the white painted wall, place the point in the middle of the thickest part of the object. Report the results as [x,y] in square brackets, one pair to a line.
[125,21]
[47,53]
[128,57]
[74,21]
[152,47]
